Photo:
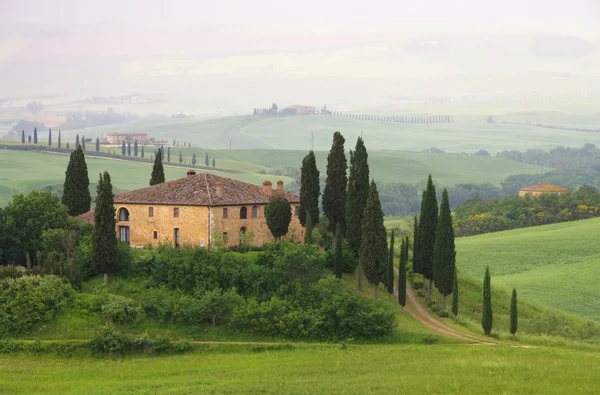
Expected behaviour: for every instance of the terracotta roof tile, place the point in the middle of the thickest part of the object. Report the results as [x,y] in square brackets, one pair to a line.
[87,217]
[544,188]
[200,190]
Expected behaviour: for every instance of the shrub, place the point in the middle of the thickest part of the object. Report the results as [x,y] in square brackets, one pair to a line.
[350,260]
[110,341]
[12,271]
[121,310]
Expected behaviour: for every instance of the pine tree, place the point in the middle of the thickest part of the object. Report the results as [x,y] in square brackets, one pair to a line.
[97,144]
[389,276]
[168,154]
[402,273]
[358,191]
[104,240]
[35,137]
[486,317]
[129,148]
[142,153]
[213,162]
[49,137]
[427,231]
[135,148]
[77,142]
[444,253]
[123,148]
[278,214]
[194,159]
[23,136]
[59,140]
[180,157]
[76,189]
[309,190]
[513,313]
[334,195]
[158,173]
[455,294]
[373,256]
[206,160]
[415,257]
[338,257]
[308,229]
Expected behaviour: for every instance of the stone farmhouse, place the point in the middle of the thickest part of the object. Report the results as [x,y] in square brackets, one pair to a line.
[538,189]
[199,210]
[118,138]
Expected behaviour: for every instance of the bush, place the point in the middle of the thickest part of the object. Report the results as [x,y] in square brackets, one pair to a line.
[12,271]
[121,310]
[29,301]
[350,262]
[110,341]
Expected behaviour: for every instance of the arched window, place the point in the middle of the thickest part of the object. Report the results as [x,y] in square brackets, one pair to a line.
[254,212]
[243,213]
[123,214]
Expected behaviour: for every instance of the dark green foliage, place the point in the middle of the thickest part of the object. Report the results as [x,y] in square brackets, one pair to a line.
[206,160]
[373,255]
[97,144]
[168,154]
[309,190]
[23,136]
[123,148]
[213,162]
[104,241]
[83,143]
[349,258]
[59,140]
[194,159]
[109,340]
[35,136]
[427,231]
[135,148]
[77,144]
[415,256]
[513,313]
[180,157]
[142,153]
[129,148]
[486,317]
[76,188]
[358,192]
[455,294]
[49,137]
[338,258]
[29,139]
[278,213]
[334,195]
[158,173]
[402,272]
[389,275]
[308,231]
[68,148]
[444,253]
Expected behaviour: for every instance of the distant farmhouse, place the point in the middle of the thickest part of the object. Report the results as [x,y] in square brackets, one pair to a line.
[118,138]
[290,111]
[538,189]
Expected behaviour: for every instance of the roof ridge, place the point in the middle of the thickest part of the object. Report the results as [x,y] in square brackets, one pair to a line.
[208,190]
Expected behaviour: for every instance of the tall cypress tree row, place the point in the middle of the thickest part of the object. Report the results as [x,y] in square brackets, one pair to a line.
[334,195]
[35,138]
[97,144]
[486,317]
[309,190]
[389,278]
[123,148]
[444,253]
[427,231]
[338,258]
[49,137]
[455,294]
[373,256]
[76,189]
[415,257]
[358,191]
[135,148]
[513,313]
[158,173]
[59,141]
[402,272]
[104,239]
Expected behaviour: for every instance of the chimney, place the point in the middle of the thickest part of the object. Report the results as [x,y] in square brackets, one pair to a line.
[267,187]
[191,172]
[279,186]
[219,188]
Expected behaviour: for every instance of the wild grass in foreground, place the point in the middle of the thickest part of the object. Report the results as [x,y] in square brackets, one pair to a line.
[390,369]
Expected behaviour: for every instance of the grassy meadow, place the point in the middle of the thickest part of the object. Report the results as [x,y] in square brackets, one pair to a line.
[553,265]
[447,369]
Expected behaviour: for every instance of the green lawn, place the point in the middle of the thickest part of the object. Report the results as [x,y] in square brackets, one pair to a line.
[373,369]
[555,265]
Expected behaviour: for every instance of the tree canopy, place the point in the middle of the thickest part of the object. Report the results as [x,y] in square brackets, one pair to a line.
[373,255]
[309,190]
[76,188]
[334,195]
[358,191]
[158,173]
[278,213]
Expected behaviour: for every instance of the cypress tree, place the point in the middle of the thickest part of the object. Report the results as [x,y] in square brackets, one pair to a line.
[513,313]
[123,148]
[194,159]
[334,195]
[427,231]
[142,153]
[97,144]
[68,148]
[59,141]
[455,294]
[76,188]
[213,162]
[358,191]
[308,229]
[402,273]
[338,257]
[104,240]
[168,154]
[373,255]
[49,137]
[444,253]
[135,148]
[278,215]
[389,278]
[180,157]
[309,190]
[206,160]
[29,139]
[158,173]
[77,141]
[23,136]
[129,148]
[35,138]
[486,317]
[83,143]
[415,260]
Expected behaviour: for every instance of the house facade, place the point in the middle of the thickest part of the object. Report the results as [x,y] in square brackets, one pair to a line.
[200,210]
[538,189]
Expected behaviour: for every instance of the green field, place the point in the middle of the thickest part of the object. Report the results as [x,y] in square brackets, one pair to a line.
[315,370]
[554,265]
